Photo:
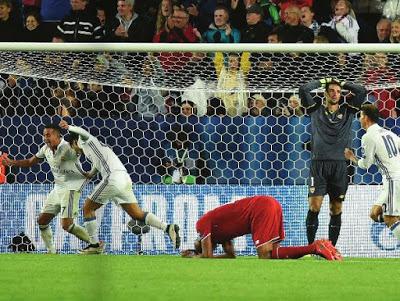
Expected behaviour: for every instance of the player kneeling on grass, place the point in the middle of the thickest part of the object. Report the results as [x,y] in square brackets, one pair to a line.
[382,148]
[115,185]
[260,216]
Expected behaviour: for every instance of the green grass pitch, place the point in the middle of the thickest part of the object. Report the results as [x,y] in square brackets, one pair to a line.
[123,277]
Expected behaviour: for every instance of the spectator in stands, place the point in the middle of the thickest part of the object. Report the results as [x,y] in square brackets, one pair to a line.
[128,26]
[274,37]
[34,32]
[164,11]
[258,106]
[188,108]
[231,86]
[395,32]
[81,25]
[307,19]
[177,29]
[383,29]
[270,13]
[101,16]
[256,30]
[293,31]
[344,22]
[220,31]
[293,108]
[201,12]
[10,29]
[285,4]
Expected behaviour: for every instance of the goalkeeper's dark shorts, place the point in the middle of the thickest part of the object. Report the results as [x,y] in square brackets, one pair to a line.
[328,177]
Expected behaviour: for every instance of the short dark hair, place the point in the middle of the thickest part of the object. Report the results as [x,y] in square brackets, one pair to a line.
[332,82]
[54,127]
[72,137]
[371,111]
[6,3]
[222,7]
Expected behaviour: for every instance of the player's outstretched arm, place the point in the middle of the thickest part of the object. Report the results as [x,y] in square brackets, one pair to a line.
[75,129]
[21,163]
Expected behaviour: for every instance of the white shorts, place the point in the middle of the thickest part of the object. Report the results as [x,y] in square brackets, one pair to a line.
[64,200]
[117,187]
[389,198]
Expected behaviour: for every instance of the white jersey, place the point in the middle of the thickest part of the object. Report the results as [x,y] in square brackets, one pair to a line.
[65,166]
[382,148]
[102,157]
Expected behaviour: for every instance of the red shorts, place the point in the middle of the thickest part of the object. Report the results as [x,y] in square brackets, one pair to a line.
[267,223]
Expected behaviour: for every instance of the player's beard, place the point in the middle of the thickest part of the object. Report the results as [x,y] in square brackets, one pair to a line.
[331,101]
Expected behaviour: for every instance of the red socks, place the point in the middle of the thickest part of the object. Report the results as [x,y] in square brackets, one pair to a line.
[292,252]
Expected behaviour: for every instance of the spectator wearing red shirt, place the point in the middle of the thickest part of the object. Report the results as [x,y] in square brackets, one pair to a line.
[177,30]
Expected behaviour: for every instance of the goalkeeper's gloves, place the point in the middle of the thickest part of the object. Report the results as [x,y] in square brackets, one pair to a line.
[327,80]
[324,81]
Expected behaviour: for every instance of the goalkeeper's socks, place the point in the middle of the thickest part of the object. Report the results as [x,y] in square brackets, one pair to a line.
[395,228]
[312,225]
[334,228]
[292,252]
[152,220]
[91,228]
[47,235]
[79,232]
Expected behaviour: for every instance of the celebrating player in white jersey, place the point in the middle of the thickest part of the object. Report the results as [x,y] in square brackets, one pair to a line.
[381,147]
[115,185]
[69,179]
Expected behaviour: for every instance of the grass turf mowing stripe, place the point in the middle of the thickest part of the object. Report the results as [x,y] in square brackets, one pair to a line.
[124,277]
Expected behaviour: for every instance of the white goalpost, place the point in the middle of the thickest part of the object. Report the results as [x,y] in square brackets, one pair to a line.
[233,107]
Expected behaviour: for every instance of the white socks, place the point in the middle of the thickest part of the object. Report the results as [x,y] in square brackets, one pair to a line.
[79,232]
[395,228]
[47,235]
[154,221]
[91,228]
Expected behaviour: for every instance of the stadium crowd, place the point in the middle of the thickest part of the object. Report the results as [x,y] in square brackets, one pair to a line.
[205,21]
[209,21]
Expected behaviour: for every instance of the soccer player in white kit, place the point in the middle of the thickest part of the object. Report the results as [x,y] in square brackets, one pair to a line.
[382,148]
[69,179]
[115,185]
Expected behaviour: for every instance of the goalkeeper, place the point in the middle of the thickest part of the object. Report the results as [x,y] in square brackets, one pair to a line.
[331,120]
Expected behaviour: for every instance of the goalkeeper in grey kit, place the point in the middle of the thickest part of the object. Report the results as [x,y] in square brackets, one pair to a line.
[331,133]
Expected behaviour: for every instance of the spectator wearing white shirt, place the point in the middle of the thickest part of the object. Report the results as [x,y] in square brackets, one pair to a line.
[344,22]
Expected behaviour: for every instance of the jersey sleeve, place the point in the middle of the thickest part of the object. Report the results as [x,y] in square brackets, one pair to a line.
[41,153]
[368,149]
[85,135]
[307,100]
[359,94]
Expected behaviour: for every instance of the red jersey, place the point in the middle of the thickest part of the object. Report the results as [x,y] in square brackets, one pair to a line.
[260,216]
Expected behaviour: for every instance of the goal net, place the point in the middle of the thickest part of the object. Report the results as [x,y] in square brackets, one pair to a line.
[196,126]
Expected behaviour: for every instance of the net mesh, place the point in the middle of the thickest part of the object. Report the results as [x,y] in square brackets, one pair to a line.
[244,126]
[176,71]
